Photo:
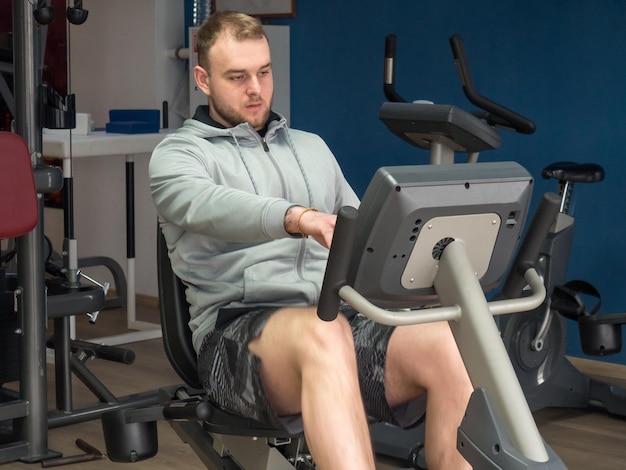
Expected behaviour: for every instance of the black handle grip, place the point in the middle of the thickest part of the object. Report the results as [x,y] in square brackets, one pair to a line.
[338,263]
[512,120]
[116,354]
[389,74]
[102,351]
[193,410]
[529,250]
[390,46]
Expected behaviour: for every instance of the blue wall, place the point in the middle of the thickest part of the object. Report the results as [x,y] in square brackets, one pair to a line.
[560,62]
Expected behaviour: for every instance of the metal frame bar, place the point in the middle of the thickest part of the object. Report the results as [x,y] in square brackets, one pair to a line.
[30,274]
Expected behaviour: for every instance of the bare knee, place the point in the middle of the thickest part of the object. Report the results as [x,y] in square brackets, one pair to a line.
[327,340]
[295,345]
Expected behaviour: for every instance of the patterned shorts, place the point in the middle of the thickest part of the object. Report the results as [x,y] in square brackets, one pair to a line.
[230,372]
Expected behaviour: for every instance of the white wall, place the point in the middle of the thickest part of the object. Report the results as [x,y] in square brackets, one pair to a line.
[118,60]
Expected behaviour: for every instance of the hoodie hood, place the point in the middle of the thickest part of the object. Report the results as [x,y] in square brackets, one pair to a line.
[242,132]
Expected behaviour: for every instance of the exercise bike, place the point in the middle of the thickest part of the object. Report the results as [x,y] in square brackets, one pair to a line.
[444,131]
[424,236]
[535,340]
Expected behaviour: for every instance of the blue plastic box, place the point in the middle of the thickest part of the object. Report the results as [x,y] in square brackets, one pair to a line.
[134,121]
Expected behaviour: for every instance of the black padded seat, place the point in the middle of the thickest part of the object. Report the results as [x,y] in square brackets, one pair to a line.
[174,312]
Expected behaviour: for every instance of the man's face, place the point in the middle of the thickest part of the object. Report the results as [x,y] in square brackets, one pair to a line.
[239,81]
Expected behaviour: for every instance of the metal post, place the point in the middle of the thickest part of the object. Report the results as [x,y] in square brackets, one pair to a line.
[30,247]
[484,354]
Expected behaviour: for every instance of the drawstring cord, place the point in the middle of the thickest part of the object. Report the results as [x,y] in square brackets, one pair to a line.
[306,179]
[245,164]
[296,156]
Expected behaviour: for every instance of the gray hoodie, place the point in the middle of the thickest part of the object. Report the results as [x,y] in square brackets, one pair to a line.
[221,196]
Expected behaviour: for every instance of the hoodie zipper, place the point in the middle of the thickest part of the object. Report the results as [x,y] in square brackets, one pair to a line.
[299,260]
[301,255]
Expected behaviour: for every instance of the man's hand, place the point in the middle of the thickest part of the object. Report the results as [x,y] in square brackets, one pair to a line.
[311,223]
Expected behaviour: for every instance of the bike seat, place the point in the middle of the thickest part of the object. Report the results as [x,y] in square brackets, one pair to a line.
[574,172]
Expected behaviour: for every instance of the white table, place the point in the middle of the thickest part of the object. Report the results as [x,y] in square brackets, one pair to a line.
[100,144]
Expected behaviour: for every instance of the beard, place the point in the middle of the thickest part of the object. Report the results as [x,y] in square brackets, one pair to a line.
[230,116]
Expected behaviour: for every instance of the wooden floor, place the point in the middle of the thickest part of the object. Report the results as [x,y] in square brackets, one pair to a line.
[583,439]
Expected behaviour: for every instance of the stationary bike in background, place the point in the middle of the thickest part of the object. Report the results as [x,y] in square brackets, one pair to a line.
[536,341]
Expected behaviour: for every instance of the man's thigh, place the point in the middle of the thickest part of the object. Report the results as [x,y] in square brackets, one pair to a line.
[230,372]
[247,364]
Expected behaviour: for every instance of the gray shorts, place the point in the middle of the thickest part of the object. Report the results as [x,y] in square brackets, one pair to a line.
[230,372]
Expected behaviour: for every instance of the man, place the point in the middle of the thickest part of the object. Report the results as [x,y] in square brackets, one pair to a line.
[247,207]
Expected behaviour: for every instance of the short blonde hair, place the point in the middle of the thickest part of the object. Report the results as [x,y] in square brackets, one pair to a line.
[237,25]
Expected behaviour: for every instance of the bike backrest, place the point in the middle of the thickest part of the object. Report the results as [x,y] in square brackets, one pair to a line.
[174,312]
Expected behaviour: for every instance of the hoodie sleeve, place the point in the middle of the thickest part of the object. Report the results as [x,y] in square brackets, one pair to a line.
[187,192]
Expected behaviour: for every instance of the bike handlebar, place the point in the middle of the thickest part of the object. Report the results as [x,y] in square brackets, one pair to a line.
[389,78]
[504,116]
[338,263]
[494,114]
